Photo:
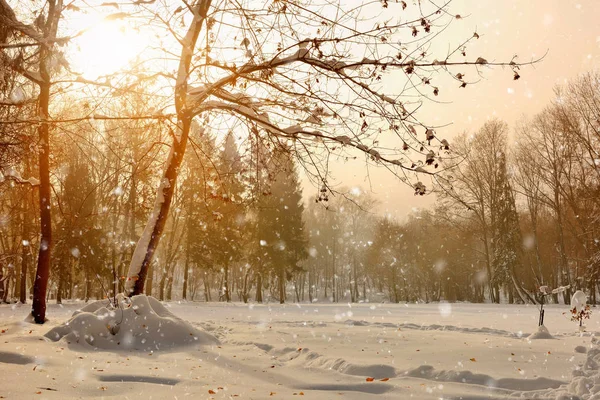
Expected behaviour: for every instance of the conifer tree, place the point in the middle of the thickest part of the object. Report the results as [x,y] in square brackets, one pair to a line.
[280,226]
[507,237]
[228,213]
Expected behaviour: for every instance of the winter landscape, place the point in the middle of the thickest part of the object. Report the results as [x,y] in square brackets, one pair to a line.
[319,351]
[280,199]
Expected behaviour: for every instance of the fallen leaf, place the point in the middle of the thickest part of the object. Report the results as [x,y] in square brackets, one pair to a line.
[473,359]
[370,379]
[384,379]
[210,391]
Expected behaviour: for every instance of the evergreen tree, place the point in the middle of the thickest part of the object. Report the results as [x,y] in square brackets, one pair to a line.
[280,227]
[229,212]
[200,200]
[507,236]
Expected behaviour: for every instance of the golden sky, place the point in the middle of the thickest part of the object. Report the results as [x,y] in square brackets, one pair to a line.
[567,30]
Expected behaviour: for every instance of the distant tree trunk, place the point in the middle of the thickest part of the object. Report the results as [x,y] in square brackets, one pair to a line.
[310,286]
[326,278]
[161,286]
[88,283]
[356,293]
[186,265]
[259,297]
[22,277]
[226,282]
[245,288]
[170,287]
[333,276]
[206,289]
[60,288]
[281,285]
[186,275]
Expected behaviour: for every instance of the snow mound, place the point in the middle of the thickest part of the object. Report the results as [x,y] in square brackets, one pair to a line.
[138,323]
[585,384]
[541,333]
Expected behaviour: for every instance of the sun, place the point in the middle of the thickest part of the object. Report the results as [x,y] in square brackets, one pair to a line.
[105,47]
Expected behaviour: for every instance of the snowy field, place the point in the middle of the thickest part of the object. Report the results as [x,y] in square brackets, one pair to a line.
[318,351]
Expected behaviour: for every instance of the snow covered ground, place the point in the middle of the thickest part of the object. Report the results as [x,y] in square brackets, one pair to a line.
[318,351]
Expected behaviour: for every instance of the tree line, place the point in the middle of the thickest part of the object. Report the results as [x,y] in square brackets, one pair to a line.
[186,159]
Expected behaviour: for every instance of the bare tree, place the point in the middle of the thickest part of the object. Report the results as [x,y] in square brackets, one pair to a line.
[310,76]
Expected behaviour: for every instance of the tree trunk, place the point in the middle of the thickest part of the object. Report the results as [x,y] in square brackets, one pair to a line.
[22,277]
[259,297]
[169,287]
[281,285]
[226,282]
[40,286]
[206,289]
[60,288]
[186,275]
[146,246]
[150,281]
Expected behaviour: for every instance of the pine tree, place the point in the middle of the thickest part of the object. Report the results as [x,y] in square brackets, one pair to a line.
[280,228]
[229,211]
[200,200]
[507,236]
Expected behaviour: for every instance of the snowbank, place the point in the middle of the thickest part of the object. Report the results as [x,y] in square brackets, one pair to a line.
[138,323]
[585,384]
[541,333]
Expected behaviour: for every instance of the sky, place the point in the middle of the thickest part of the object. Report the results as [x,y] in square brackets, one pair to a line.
[566,30]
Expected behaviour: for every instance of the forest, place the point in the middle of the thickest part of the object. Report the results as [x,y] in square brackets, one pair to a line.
[228,133]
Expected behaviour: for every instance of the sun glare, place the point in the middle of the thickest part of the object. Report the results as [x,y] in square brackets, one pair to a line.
[105,48]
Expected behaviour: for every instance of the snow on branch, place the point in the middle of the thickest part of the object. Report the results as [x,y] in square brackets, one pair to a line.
[11,174]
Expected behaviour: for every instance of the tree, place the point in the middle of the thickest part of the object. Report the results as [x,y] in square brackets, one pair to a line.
[507,257]
[45,36]
[474,187]
[287,93]
[228,212]
[280,226]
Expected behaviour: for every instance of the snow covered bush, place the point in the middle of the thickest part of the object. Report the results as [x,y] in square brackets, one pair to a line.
[138,323]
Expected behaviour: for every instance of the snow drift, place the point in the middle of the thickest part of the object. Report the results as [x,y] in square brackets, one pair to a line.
[541,333]
[138,323]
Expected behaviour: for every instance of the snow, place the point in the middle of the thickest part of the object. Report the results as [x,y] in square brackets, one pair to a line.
[325,351]
[541,333]
[141,323]
[578,300]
